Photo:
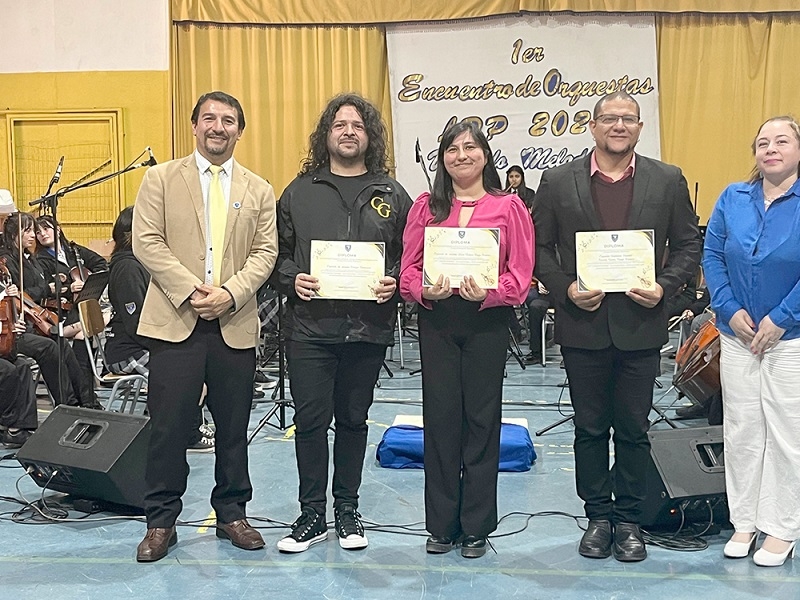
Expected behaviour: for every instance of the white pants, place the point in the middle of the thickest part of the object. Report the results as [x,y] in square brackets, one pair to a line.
[761,400]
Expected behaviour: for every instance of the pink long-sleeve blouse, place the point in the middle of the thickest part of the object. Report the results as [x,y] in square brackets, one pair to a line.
[507,213]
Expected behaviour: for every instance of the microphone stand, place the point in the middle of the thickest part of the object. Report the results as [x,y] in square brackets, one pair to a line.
[51,202]
[421,163]
[419,160]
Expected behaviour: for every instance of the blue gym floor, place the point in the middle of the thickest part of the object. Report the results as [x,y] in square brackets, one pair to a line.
[93,557]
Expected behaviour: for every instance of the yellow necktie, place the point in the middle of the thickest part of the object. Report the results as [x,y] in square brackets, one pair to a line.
[217,219]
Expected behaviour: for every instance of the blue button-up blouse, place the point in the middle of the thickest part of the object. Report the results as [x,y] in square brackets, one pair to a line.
[752,257]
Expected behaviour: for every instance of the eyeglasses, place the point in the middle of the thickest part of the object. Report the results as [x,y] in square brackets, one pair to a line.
[627,120]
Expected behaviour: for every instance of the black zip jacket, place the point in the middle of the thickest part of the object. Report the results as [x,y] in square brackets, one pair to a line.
[127,286]
[312,208]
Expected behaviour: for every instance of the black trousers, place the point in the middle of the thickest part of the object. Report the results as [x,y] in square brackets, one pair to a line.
[463,352]
[332,381]
[177,373]
[44,350]
[537,305]
[611,388]
[17,396]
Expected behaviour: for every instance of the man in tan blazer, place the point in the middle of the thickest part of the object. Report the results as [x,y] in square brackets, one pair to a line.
[201,312]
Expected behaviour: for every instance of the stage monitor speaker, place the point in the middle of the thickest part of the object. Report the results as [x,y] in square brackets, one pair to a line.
[685,478]
[90,454]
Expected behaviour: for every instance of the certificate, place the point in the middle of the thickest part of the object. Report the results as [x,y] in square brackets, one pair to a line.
[615,261]
[458,252]
[347,270]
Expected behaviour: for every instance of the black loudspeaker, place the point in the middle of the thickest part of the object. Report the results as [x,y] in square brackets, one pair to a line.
[686,478]
[90,454]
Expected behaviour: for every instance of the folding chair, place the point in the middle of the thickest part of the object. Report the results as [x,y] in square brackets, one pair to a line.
[125,388]
[549,319]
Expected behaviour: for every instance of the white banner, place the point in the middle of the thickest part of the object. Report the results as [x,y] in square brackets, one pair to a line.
[531,81]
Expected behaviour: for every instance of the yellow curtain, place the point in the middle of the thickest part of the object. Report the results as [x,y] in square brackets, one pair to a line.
[344,12]
[672,6]
[348,12]
[720,78]
[283,77]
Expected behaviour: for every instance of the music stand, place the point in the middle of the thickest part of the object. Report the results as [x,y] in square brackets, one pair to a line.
[514,349]
[93,287]
[279,394]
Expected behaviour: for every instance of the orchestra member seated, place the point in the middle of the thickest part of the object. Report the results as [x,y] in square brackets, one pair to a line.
[18,417]
[75,388]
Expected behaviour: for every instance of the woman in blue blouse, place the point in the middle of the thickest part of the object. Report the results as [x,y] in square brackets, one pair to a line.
[752,266]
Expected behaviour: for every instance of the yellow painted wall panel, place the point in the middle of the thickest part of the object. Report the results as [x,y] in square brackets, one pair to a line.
[143,96]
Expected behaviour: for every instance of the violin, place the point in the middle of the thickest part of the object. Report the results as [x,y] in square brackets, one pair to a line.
[42,319]
[79,272]
[8,314]
[53,304]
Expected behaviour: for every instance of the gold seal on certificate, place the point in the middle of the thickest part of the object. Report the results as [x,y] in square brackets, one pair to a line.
[458,252]
[347,270]
[615,261]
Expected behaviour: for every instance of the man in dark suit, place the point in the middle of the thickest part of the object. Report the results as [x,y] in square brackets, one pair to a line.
[611,342]
[204,228]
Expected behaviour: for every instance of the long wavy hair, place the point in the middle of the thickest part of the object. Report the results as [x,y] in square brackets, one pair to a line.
[441,200]
[755,174]
[121,234]
[12,227]
[375,159]
[46,221]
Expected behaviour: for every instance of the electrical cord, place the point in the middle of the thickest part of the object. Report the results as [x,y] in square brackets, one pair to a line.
[682,540]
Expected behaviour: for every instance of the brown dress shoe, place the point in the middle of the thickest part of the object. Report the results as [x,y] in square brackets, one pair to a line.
[241,534]
[156,543]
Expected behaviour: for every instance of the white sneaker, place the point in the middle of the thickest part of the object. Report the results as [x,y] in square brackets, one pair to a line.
[204,444]
[309,529]
[349,528]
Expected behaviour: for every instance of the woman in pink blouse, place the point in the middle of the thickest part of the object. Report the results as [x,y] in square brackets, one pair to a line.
[463,333]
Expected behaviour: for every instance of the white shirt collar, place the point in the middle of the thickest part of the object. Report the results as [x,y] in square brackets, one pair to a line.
[203,163]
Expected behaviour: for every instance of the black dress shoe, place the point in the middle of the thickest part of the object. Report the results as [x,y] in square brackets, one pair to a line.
[473,547]
[440,544]
[695,411]
[14,439]
[533,357]
[241,534]
[596,541]
[156,543]
[628,543]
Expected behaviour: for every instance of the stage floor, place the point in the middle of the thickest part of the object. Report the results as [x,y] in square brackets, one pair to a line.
[93,557]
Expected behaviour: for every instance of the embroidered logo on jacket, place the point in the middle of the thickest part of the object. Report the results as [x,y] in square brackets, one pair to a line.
[381,207]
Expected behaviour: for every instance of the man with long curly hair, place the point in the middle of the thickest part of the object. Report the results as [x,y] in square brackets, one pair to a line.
[336,347]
